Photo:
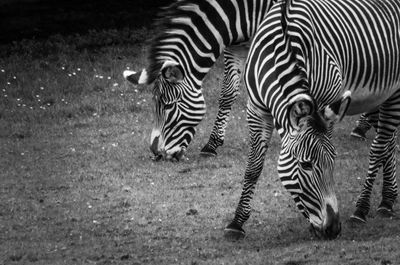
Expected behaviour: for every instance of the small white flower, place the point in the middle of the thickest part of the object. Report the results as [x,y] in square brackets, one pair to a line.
[63,68]
[109,78]
[69,75]
[115,84]
[2,70]
[41,88]
[78,69]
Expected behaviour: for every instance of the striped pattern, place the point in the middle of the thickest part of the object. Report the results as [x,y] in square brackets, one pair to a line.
[193,34]
[311,52]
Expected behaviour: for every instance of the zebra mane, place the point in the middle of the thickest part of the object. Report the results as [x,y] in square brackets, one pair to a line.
[166,18]
[298,67]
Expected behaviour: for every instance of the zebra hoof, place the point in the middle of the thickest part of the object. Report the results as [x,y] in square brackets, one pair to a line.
[358,218]
[207,151]
[385,212]
[359,134]
[234,232]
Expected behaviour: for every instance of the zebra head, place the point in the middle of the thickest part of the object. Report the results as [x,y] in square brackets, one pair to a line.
[178,109]
[306,163]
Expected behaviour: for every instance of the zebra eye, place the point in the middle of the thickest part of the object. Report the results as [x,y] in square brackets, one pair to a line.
[306,165]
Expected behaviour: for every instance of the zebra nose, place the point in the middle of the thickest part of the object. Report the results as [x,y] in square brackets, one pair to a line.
[333,227]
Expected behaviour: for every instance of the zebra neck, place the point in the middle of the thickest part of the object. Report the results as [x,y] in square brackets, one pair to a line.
[195,33]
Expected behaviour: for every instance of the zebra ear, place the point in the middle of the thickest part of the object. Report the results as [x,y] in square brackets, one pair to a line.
[336,111]
[136,78]
[172,72]
[299,107]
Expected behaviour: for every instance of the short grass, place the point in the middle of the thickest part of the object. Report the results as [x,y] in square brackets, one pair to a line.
[78,185]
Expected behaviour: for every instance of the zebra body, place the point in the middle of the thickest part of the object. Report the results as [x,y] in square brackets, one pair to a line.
[306,58]
[193,34]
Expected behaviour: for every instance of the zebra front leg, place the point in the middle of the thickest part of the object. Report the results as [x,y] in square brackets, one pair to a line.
[229,92]
[260,128]
[389,187]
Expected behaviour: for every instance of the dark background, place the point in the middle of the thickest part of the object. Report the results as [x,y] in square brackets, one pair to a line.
[41,18]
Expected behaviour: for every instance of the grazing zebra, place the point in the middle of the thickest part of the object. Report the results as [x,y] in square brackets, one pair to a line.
[305,60]
[193,35]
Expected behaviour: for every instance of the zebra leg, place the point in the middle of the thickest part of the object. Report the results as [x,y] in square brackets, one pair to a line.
[229,92]
[382,153]
[364,124]
[261,128]
[375,162]
[389,187]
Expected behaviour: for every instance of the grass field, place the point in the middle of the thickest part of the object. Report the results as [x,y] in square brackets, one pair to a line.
[78,185]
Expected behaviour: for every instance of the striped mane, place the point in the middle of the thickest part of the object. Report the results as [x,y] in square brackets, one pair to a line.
[299,69]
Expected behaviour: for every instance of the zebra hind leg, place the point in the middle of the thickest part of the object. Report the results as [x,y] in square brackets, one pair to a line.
[229,92]
[363,202]
[389,187]
[382,154]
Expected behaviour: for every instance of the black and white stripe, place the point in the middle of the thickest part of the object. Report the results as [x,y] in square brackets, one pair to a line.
[193,34]
[304,56]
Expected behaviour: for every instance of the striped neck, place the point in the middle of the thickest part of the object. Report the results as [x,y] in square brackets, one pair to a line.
[195,33]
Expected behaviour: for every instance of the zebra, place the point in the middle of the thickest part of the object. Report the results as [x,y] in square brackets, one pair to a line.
[193,34]
[187,41]
[310,63]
